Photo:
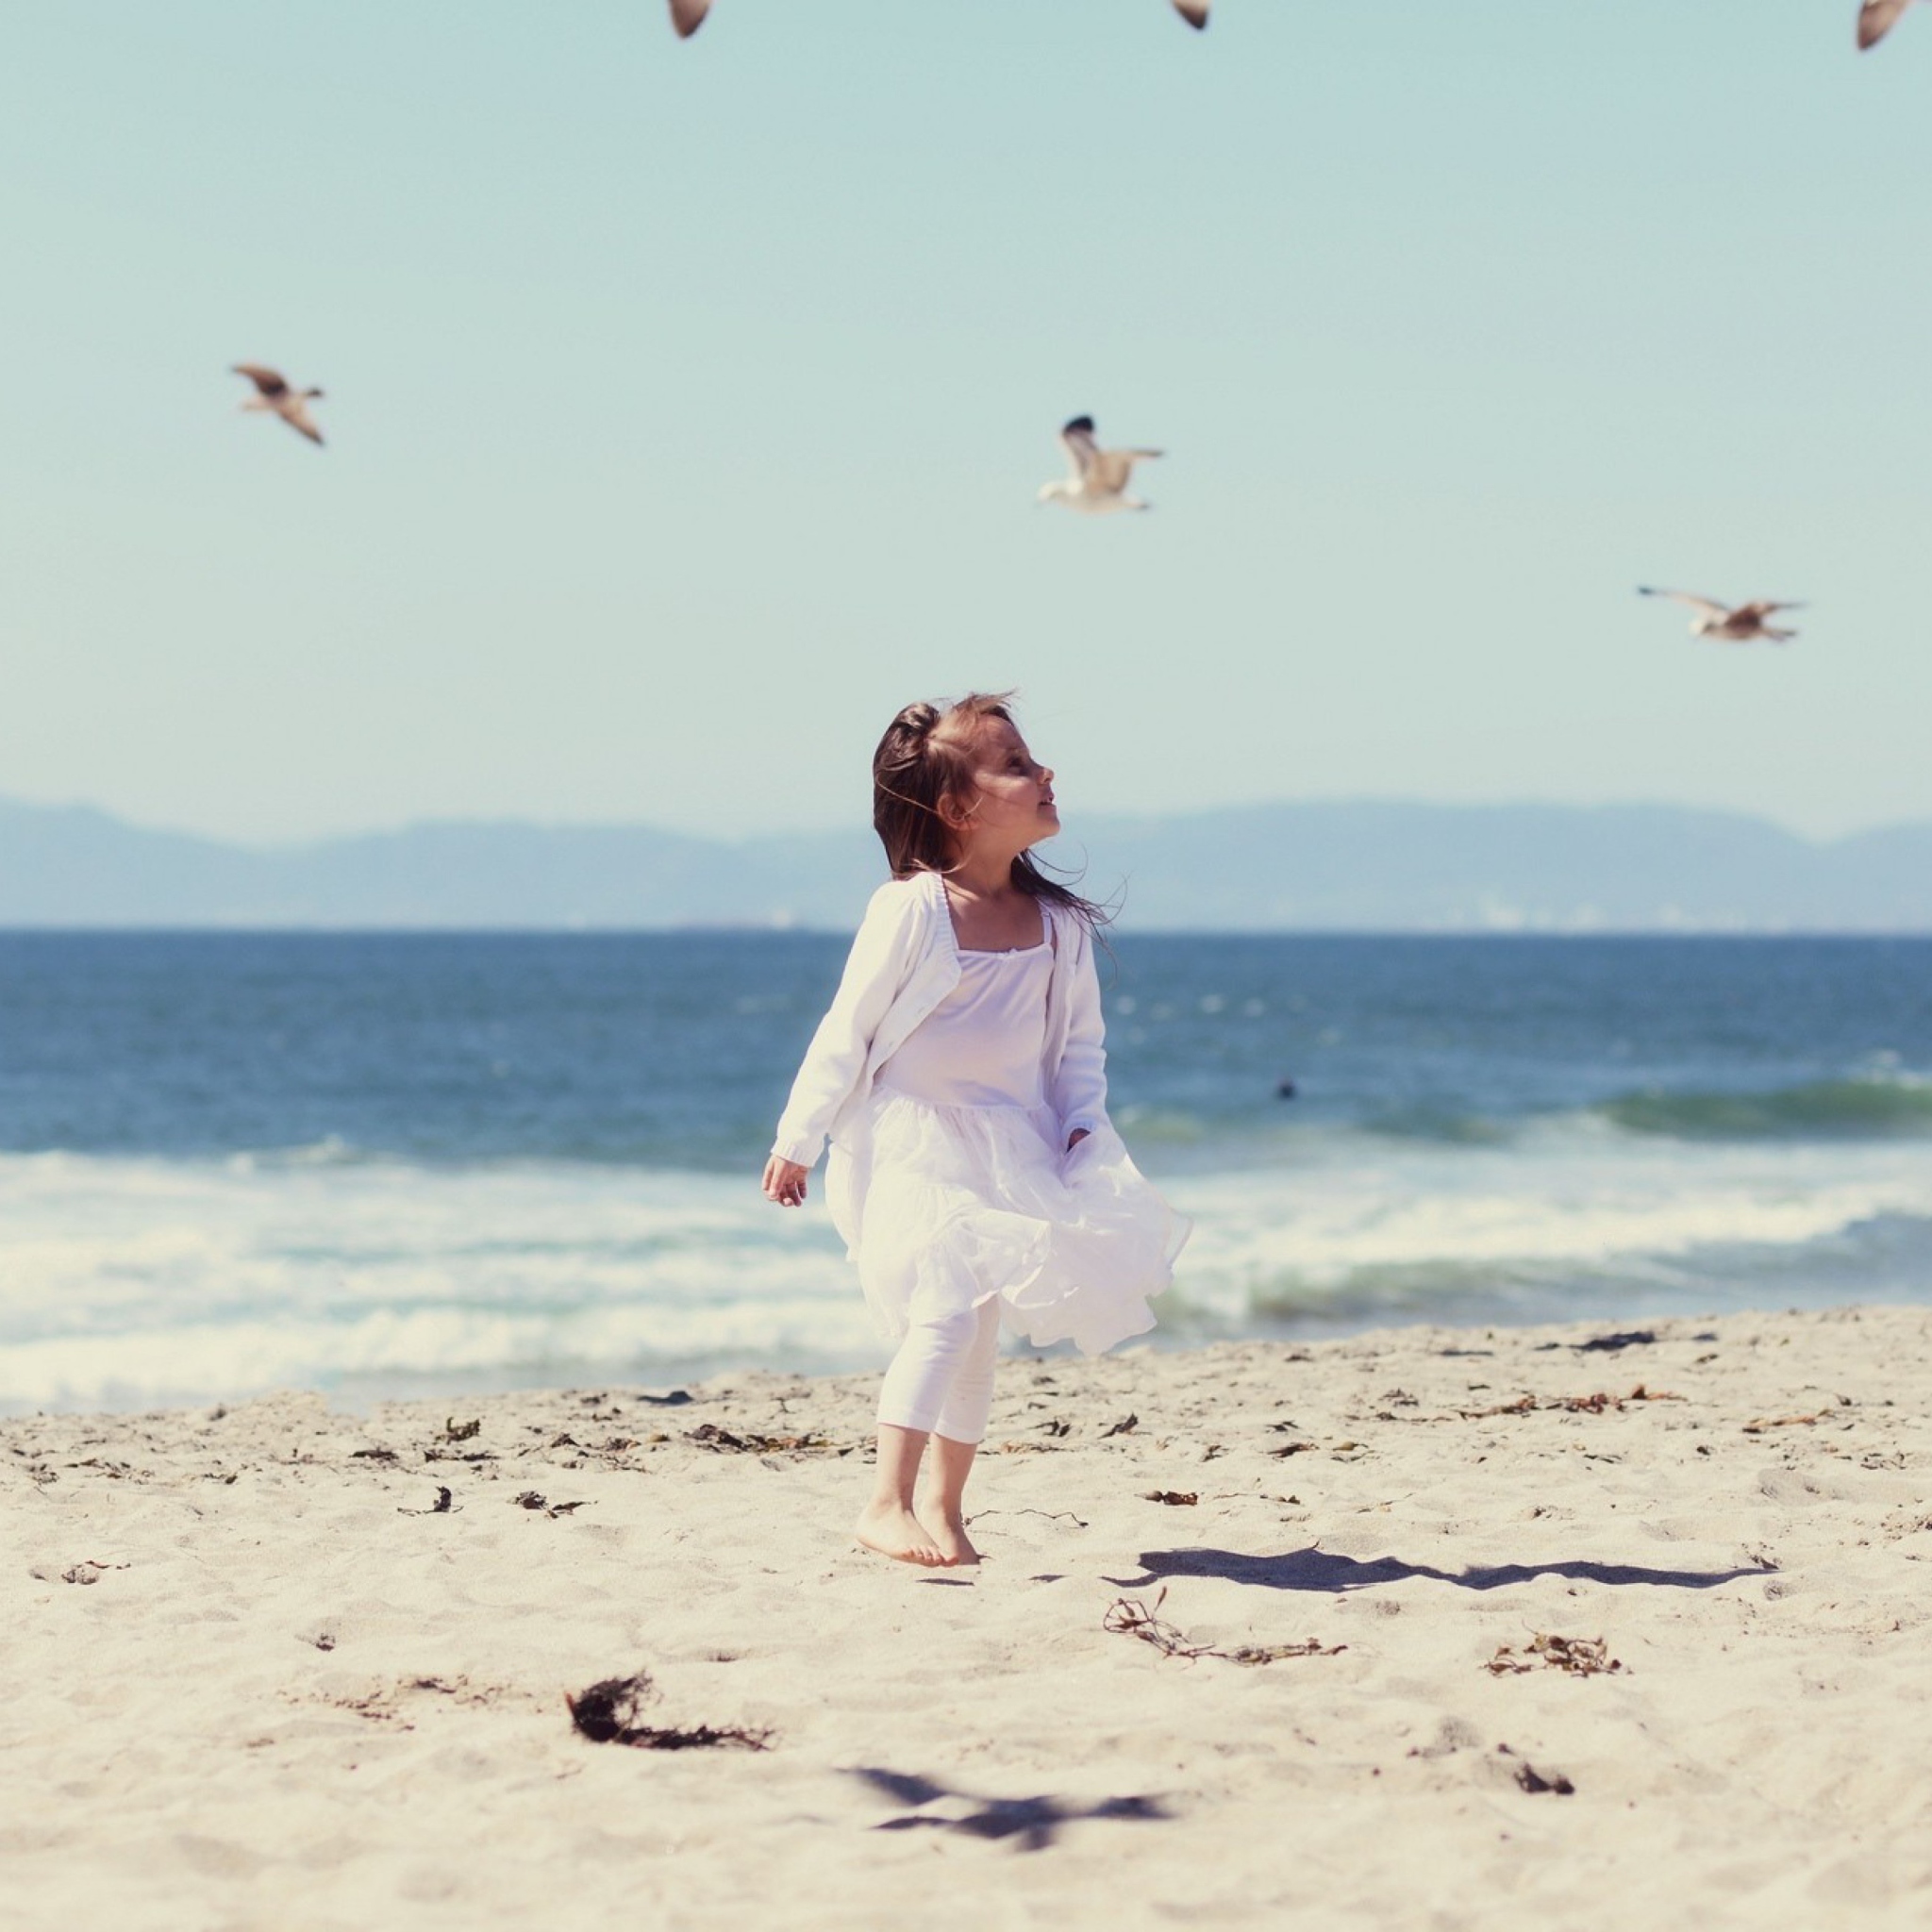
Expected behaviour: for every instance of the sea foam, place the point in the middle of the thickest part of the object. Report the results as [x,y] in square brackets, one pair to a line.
[134,1281]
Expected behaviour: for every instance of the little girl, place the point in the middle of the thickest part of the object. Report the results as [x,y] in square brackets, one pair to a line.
[960,1077]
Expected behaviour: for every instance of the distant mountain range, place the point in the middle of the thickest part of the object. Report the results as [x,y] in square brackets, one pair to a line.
[1303,867]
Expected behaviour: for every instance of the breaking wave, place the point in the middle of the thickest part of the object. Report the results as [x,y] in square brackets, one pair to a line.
[1871,1106]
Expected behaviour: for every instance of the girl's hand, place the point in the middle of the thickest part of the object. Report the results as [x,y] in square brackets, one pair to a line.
[1075,1138]
[785,1182]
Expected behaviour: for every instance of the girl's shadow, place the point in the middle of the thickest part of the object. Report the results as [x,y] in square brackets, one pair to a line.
[1318,1570]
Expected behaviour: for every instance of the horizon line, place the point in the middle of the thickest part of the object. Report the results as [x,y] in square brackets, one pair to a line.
[842,934]
[295,843]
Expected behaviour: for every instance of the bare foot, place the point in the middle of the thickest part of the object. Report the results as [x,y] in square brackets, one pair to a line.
[949,1532]
[893,1530]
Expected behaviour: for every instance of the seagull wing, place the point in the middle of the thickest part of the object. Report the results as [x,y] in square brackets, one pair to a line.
[1876,18]
[687,16]
[271,382]
[297,418]
[1761,607]
[1704,607]
[1113,467]
[1195,12]
[1082,451]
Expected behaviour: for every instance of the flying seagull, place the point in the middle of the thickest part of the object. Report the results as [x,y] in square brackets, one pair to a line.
[274,394]
[1742,624]
[1098,478]
[687,16]
[1876,18]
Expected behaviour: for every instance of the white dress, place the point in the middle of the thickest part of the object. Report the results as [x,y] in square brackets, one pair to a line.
[968,1195]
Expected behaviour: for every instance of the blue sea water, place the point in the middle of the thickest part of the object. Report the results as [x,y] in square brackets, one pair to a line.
[395,1164]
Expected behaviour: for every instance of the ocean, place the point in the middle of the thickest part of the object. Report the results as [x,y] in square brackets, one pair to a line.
[384,1165]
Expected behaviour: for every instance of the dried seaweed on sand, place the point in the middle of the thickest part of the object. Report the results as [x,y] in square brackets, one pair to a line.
[1598,1404]
[709,1436]
[90,1570]
[535,1499]
[609,1711]
[1130,1617]
[1581,1656]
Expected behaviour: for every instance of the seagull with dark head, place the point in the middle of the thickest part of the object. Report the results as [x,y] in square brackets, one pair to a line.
[1097,479]
[1736,624]
[273,393]
[1876,18]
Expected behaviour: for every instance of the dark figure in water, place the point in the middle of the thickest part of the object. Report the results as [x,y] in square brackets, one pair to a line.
[1284,1089]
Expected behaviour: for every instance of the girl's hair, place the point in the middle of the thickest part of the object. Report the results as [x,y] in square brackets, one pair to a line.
[925,757]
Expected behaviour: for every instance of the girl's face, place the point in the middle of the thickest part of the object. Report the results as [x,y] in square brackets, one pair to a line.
[1013,803]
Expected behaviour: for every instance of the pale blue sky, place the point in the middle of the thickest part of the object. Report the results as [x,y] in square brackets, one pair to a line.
[687,403]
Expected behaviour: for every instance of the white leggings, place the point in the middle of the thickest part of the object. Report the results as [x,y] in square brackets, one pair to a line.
[940,1381]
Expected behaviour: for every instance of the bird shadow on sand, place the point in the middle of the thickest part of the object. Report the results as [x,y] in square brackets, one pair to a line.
[1328,1575]
[1033,1824]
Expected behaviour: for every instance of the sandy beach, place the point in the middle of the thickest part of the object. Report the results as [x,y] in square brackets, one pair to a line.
[1495,1628]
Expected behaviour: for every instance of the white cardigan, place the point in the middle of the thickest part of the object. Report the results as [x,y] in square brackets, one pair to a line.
[902,964]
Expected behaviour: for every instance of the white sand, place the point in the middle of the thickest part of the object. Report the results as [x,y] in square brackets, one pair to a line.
[285,1702]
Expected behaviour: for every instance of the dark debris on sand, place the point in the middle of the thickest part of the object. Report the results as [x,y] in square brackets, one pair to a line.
[1130,1617]
[1601,1403]
[90,1570]
[709,1436]
[1533,1781]
[535,1499]
[1580,1657]
[609,1711]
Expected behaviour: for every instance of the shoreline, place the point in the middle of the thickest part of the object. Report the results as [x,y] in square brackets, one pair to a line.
[266,1681]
